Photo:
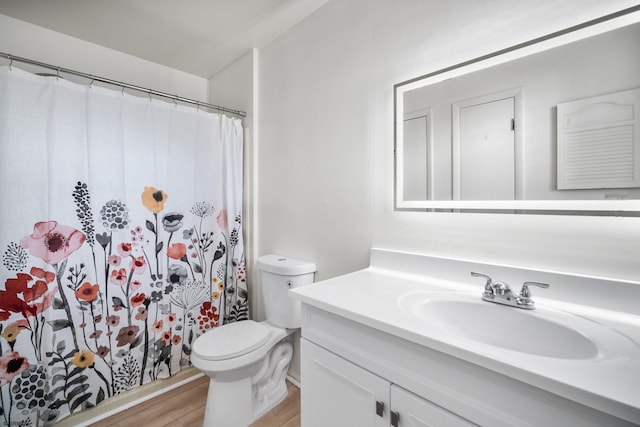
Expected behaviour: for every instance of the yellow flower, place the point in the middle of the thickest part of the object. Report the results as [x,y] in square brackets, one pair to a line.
[221,286]
[215,295]
[153,199]
[83,358]
[10,333]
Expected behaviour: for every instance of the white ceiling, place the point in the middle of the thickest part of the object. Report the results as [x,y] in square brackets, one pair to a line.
[200,37]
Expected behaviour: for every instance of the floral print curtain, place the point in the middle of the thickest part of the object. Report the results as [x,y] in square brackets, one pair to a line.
[121,241]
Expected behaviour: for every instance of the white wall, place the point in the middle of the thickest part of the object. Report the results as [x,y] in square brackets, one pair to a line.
[326,140]
[236,87]
[26,40]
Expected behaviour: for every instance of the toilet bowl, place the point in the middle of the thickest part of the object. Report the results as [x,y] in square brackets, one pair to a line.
[247,361]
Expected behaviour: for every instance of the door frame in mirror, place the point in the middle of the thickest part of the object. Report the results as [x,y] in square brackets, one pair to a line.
[559,38]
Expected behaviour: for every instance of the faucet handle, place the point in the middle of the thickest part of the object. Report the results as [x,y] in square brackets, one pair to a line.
[488,287]
[525,294]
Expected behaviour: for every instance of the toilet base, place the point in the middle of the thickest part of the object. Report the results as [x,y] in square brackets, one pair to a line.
[229,404]
[239,402]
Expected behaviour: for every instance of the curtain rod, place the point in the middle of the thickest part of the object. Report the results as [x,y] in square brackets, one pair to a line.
[123,85]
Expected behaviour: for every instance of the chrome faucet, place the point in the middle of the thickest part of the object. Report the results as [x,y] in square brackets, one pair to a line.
[501,293]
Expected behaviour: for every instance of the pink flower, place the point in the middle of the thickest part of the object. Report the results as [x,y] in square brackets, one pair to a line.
[118,277]
[114,260]
[222,219]
[177,250]
[166,337]
[124,249]
[135,285]
[11,365]
[113,320]
[52,242]
[127,335]
[176,340]
[103,351]
[171,319]
[157,326]
[142,313]
[138,265]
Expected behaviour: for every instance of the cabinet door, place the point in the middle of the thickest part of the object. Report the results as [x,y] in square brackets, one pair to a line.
[338,393]
[414,411]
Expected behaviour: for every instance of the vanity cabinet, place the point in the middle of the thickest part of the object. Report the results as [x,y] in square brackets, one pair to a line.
[339,393]
[351,370]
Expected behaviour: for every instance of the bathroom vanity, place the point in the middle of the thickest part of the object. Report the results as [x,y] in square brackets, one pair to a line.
[410,342]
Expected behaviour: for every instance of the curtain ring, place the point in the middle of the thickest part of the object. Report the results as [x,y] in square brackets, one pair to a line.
[150,99]
[175,102]
[91,83]
[122,91]
[10,64]
[58,74]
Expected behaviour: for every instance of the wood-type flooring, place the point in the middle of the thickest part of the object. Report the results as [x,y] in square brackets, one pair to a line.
[184,407]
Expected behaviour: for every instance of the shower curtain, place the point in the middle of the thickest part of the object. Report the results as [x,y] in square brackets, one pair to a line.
[121,241]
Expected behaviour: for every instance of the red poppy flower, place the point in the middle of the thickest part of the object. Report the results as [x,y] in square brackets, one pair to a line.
[20,285]
[137,299]
[87,292]
[52,242]
[176,340]
[21,296]
[177,250]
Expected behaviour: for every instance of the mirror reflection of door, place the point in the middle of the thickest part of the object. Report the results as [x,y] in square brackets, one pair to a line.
[486,150]
[415,158]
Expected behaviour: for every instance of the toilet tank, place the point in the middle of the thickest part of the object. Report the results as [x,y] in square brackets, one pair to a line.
[278,274]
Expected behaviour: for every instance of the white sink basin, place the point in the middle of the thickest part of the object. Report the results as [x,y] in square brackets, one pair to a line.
[540,332]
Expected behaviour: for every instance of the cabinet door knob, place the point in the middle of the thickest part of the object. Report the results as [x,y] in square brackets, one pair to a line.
[379,408]
[395,418]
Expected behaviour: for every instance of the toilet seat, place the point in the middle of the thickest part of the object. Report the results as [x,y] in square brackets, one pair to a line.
[231,340]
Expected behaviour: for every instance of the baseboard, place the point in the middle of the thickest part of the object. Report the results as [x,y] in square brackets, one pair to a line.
[294,381]
[130,399]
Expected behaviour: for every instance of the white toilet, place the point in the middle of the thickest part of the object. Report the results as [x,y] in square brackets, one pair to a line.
[247,361]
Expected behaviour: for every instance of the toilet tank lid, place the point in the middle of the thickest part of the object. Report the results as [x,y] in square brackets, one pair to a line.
[285,266]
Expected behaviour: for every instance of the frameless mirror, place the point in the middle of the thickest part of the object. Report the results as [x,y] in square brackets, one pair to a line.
[552,124]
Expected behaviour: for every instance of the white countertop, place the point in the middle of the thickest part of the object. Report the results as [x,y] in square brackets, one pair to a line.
[609,382]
